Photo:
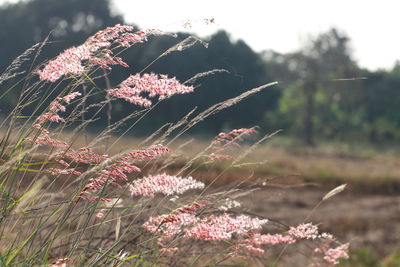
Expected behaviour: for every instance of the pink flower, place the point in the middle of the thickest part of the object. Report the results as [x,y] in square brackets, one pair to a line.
[332,255]
[304,231]
[63,171]
[45,139]
[164,184]
[100,214]
[268,239]
[94,50]
[55,106]
[223,140]
[83,155]
[222,227]
[68,98]
[131,89]
[49,116]
[118,170]
[172,224]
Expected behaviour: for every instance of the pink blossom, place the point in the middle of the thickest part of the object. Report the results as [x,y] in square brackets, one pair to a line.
[45,139]
[223,226]
[68,98]
[164,184]
[49,116]
[332,255]
[83,155]
[67,62]
[169,225]
[268,239]
[63,171]
[100,214]
[304,231]
[118,170]
[172,224]
[131,89]
[223,140]
[55,106]
[94,50]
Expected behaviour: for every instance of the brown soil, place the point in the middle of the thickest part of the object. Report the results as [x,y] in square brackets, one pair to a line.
[367,221]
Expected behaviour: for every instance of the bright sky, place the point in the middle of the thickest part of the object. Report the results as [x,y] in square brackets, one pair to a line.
[282,25]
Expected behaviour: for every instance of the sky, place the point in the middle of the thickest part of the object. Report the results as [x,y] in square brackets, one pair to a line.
[280,25]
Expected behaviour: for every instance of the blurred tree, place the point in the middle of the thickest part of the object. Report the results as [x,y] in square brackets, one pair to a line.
[316,91]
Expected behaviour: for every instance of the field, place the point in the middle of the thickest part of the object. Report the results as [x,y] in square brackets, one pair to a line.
[296,178]
[239,199]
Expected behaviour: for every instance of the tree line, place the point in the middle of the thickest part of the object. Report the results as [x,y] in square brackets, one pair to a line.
[322,93]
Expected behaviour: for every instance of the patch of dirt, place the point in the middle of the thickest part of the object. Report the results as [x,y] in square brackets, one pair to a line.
[368,221]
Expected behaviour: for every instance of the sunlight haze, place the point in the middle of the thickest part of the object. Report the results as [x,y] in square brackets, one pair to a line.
[281,25]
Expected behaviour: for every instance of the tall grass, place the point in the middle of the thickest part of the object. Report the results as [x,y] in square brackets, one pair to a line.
[79,199]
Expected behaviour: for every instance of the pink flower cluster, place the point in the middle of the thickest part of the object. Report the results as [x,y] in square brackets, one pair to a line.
[55,106]
[164,184]
[83,155]
[95,51]
[171,224]
[119,170]
[304,231]
[153,84]
[223,140]
[184,221]
[223,227]
[332,255]
[44,138]
[254,242]
[54,171]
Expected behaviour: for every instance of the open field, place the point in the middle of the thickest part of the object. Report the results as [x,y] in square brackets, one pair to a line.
[293,180]
[367,214]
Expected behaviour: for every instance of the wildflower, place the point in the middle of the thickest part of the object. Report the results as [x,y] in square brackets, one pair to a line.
[117,170]
[100,214]
[95,51]
[164,184]
[171,224]
[49,116]
[68,98]
[223,140]
[83,155]
[332,255]
[268,239]
[63,171]
[304,231]
[131,89]
[222,227]
[45,139]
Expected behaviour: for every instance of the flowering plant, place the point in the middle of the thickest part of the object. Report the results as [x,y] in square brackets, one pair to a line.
[106,209]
